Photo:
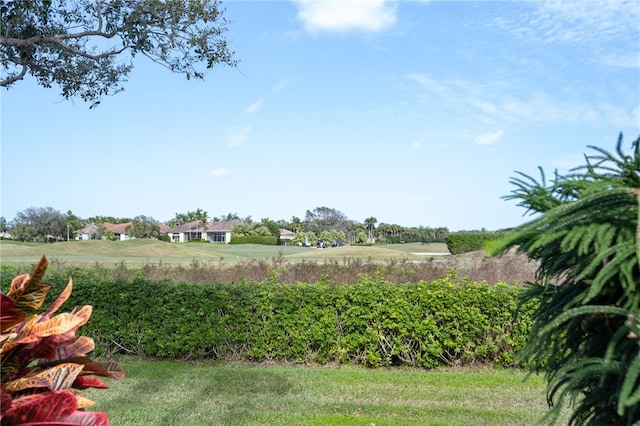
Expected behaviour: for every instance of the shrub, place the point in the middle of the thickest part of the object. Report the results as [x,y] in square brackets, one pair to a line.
[42,359]
[465,242]
[269,240]
[373,322]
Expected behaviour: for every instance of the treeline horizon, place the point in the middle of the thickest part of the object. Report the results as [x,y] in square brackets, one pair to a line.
[49,224]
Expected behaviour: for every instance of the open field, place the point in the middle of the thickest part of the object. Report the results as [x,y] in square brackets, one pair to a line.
[206,262]
[168,393]
[138,252]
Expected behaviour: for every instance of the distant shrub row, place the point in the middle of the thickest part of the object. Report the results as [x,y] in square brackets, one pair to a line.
[407,239]
[465,242]
[374,323]
[254,239]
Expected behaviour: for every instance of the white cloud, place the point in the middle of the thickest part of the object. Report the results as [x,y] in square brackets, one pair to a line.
[416,145]
[222,171]
[607,29]
[580,21]
[623,60]
[254,107]
[497,102]
[346,15]
[236,136]
[488,138]
[278,87]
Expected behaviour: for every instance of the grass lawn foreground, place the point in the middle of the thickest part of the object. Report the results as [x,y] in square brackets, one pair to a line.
[171,393]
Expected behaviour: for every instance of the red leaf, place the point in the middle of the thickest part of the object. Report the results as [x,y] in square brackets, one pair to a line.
[61,299]
[77,418]
[73,347]
[43,407]
[93,418]
[5,401]
[9,314]
[84,382]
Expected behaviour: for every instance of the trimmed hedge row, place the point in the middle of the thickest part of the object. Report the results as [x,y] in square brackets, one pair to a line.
[374,323]
[267,240]
[465,242]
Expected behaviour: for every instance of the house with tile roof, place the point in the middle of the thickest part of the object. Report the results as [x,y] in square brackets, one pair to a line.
[89,232]
[119,230]
[214,232]
[286,234]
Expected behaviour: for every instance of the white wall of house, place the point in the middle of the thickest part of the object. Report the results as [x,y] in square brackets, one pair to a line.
[204,235]
[217,236]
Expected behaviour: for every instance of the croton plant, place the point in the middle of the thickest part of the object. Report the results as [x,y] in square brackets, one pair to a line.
[43,360]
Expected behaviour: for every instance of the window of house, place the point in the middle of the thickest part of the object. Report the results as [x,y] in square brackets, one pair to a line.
[219,237]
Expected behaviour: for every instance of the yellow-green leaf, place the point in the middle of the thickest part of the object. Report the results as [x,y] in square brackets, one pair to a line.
[55,378]
[29,291]
[33,330]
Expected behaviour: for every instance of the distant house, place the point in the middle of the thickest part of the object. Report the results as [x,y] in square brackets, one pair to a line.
[214,232]
[87,233]
[120,230]
[286,234]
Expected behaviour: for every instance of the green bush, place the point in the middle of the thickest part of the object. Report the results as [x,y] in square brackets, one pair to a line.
[464,242]
[375,323]
[268,240]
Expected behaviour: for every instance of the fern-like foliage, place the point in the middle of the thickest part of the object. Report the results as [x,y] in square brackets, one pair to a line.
[586,238]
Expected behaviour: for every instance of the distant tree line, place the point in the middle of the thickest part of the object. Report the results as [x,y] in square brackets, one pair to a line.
[46,224]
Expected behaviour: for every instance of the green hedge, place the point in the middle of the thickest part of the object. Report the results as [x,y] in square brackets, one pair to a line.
[375,323]
[464,242]
[254,239]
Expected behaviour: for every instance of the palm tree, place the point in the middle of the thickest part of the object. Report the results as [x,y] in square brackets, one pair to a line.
[370,223]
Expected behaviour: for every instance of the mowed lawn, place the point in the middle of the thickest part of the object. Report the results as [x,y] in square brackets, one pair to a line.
[180,393]
[141,251]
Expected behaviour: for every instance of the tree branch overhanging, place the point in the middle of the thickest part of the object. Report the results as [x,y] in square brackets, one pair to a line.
[9,80]
[51,43]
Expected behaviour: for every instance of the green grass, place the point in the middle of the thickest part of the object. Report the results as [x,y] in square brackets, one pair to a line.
[172,393]
[141,251]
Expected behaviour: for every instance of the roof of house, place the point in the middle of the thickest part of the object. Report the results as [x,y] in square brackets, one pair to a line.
[223,225]
[91,228]
[118,228]
[196,226]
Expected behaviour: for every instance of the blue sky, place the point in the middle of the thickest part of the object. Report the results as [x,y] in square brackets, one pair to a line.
[414,112]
